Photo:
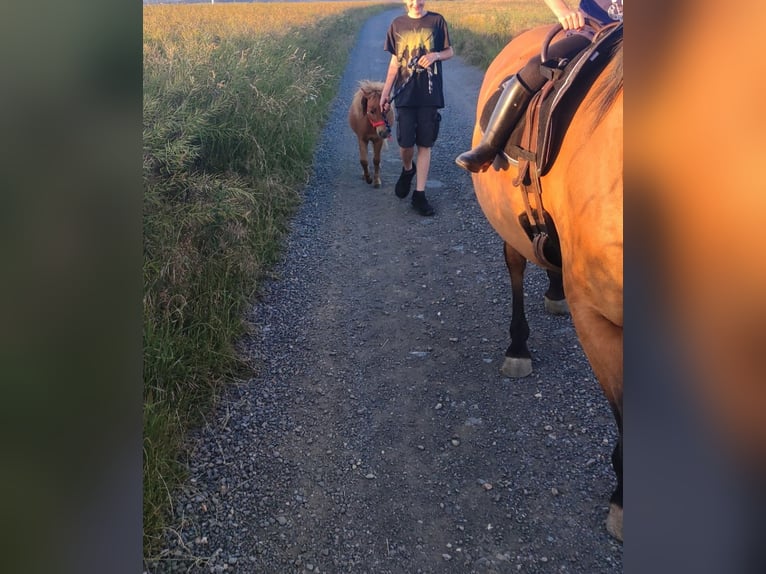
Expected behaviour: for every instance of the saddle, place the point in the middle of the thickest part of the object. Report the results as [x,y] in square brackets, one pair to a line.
[538,135]
[537,138]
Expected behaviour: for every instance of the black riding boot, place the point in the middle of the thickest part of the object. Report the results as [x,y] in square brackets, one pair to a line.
[511,104]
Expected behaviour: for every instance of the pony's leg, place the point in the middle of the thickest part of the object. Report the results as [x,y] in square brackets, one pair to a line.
[601,341]
[377,145]
[555,301]
[518,360]
[363,160]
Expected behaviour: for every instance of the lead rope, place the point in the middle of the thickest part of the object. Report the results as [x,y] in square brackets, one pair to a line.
[415,70]
[388,126]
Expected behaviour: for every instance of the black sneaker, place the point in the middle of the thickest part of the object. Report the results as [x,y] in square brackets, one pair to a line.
[421,205]
[402,188]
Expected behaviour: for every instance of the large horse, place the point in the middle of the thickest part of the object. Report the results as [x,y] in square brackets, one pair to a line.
[370,125]
[582,197]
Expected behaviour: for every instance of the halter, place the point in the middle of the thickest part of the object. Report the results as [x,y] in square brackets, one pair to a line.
[383,122]
[378,123]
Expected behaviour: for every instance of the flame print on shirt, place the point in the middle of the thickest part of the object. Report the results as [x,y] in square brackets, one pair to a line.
[413,44]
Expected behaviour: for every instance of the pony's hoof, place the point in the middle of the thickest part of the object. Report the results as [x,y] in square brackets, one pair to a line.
[516,368]
[614,521]
[376,185]
[556,307]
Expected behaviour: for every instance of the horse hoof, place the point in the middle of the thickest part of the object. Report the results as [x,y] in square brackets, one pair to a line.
[516,368]
[376,184]
[614,521]
[556,307]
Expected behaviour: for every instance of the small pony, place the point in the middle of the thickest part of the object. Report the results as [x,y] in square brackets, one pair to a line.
[370,125]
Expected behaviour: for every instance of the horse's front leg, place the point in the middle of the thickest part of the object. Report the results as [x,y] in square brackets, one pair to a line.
[363,160]
[518,360]
[376,147]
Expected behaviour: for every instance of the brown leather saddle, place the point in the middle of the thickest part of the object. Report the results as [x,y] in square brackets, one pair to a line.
[551,109]
[537,138]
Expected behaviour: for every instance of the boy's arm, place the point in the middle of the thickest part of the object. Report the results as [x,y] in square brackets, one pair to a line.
[388,85]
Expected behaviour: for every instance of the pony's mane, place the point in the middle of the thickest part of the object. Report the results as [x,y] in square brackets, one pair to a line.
[365,86]
[371,86]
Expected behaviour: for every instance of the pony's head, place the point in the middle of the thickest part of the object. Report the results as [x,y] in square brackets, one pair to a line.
[369,102]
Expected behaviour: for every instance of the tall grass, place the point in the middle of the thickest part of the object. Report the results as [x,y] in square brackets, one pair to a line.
[234,98]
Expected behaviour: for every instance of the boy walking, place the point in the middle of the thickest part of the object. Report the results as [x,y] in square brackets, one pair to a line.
[418,42]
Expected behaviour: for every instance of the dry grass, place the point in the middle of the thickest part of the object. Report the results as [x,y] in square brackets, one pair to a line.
[480,29]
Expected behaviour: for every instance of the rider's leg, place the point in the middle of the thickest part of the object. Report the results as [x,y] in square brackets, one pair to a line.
[512,102]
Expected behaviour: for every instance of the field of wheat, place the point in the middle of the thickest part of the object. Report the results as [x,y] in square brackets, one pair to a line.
[479,30]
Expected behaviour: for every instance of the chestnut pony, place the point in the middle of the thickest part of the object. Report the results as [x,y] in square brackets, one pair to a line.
[582,194]
[368,123]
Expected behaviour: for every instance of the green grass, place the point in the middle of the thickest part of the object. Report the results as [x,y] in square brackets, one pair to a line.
[231,117]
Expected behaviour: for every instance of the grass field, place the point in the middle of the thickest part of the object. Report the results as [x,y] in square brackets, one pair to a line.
[235,96]
[479,30]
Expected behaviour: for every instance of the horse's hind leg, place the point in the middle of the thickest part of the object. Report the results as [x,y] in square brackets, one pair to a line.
[614,520]
[602,341]
[376,147]
[518,360]
[363,160]
[555,301]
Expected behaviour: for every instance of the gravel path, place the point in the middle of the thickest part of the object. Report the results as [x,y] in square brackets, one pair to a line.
[379,435]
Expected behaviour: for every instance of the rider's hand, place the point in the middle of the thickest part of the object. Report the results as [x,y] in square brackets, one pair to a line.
[384,104]
[572,20]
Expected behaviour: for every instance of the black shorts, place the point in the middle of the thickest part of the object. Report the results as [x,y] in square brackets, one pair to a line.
[417,126]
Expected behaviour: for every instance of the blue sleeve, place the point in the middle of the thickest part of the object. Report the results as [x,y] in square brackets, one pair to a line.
[594,9]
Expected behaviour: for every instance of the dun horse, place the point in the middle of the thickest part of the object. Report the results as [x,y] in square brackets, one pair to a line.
[370,125]
[582,202]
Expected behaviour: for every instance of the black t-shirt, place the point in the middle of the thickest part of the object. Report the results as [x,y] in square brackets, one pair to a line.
[408,39]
